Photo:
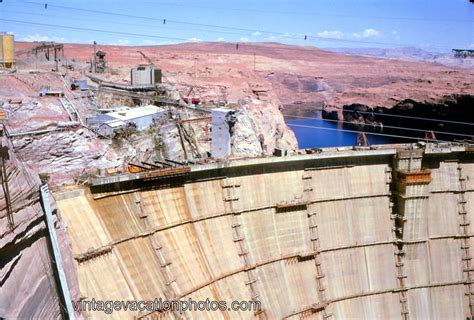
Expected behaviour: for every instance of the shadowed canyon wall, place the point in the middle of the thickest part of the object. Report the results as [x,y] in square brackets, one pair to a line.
[28,284]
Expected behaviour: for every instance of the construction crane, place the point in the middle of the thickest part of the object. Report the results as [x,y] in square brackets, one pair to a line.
[146,58]
[362,140]
[151,63]
[430,136]
[189,99]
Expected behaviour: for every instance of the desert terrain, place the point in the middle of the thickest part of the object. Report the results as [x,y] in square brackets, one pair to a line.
[261,81]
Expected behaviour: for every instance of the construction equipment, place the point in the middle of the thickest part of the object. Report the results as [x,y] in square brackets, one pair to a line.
[463,53]
[194,120]
[146,58]
[191,100]
[430,136]
[79,84]
[136,168]
[98,63]
[362,140]
[48,91]
[145,75]
[421,176]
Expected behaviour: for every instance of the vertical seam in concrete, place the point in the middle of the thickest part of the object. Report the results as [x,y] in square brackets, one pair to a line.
[164,265]
[465,246]
[398,218]
[315,247]
[230,198]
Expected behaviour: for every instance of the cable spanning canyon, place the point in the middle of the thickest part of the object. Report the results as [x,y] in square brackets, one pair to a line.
[174,176]
[382,233]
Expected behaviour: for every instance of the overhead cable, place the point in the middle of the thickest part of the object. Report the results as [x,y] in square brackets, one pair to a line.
[381,126]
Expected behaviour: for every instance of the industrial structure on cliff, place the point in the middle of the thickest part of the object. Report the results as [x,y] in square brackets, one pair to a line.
[222,121]
[7,50]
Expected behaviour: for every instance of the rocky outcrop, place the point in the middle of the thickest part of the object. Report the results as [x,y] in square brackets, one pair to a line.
[270,126]
[409,113]
[28,289]
[245,141]
[62,155]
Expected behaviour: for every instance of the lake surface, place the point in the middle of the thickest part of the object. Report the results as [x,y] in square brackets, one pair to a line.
[327,134]
[315,132]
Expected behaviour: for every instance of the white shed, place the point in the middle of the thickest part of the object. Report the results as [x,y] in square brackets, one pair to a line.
[142,117]
[107,128]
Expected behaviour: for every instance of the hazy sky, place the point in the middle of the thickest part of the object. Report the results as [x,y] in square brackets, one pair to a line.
[436,25]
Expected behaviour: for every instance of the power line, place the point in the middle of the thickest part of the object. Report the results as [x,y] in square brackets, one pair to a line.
[120,22]
[162,20]
[240,45]
[370,133]
[137,34]
[93,30]
[284,34]
[325,14]
[409,117]
[381,126]
[248,45]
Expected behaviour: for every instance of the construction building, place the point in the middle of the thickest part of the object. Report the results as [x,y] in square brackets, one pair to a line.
[109,128]
[222,121]
[7,50]
[79,85]
[98,120]
[140,117]
[145,75]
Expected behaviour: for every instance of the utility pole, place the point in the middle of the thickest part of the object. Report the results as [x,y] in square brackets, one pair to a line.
[56,68]
[195,72]
[94,67]
[255,63]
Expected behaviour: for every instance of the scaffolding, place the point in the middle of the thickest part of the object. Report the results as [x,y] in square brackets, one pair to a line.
[51,50]
[291,206]
[307,180]
[93,254]
[422,176]
[464,227]
[231,189]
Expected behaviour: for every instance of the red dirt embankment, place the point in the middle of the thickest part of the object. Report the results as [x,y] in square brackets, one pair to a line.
[296,74]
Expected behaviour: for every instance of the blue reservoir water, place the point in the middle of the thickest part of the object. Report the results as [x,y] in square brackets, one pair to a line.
[327,135]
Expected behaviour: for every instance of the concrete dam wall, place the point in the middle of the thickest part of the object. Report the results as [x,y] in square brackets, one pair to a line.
[364,234]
